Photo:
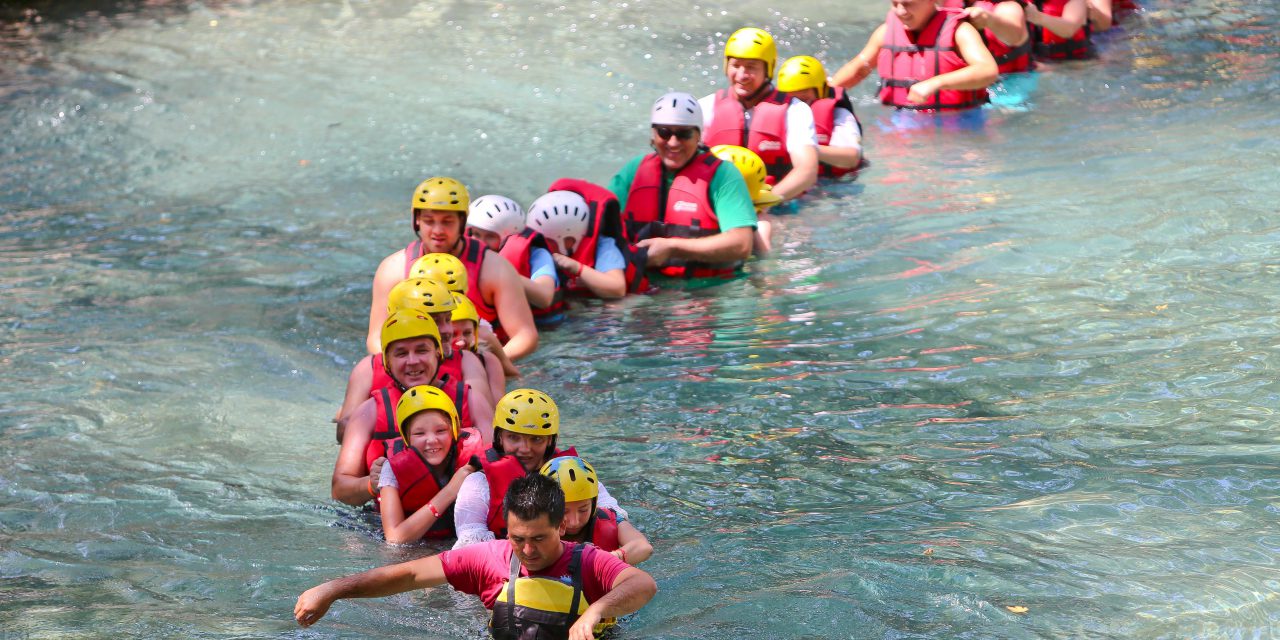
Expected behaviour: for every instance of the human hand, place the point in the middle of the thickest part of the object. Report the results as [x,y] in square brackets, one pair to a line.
[1032,13]
[312,605]
[585,627]
[659,250]
[921,91]
[375,470]
[978,16]
[567,264]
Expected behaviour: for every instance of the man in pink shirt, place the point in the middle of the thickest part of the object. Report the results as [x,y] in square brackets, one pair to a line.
[590,585]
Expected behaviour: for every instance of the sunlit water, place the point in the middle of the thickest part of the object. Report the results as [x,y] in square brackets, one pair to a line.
[1026,360]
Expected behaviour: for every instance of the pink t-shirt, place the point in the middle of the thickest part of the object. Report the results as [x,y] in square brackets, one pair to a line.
[482,569]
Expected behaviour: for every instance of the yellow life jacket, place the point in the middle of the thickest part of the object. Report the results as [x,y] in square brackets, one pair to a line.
[537,608]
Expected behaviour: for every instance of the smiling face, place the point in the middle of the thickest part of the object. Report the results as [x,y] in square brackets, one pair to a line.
[413,361]
[674,152]
[536,543]
[914,14]
[746,76]
[530,450]
[438,230]
[431,432]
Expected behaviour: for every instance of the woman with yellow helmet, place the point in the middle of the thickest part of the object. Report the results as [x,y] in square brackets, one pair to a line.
[586,521]
[838,131]
[526,425]
[417,486]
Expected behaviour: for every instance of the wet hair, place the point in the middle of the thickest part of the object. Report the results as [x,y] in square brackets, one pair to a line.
[532,496]
[546,456]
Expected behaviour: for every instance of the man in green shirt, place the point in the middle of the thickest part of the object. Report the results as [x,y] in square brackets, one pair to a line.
[689,211]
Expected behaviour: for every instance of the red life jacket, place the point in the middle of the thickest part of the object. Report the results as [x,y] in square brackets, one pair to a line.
[824,123]
[766,134]
[386,439]
[908,57]
[472,257]
[681,211]
[500,471]
[418,485]
[604,219]
[604,530]
[1050,46]
[1008,59]
[517,249]
[381,379]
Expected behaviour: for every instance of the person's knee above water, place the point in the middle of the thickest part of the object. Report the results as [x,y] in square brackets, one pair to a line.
[526,427]
[499,222]
[586,521]
[590,261]
[466,332]
[929,59]
[837,128]
[417,486]
[536,584]
[687,211]
[1060,29]
[751,113]
[439,216]
[411,357]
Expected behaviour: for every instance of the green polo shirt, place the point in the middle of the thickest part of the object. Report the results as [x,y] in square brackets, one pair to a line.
[728,193]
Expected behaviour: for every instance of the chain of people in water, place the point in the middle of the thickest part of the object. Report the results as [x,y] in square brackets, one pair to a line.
[429,434]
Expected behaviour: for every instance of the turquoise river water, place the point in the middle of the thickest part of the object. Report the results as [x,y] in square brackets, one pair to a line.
[1026,360]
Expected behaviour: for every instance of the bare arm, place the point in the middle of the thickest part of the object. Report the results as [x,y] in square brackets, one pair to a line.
[401,530]
[1100,14]
[857,69]
[500,283]
[727,246]
[359,384]
[495,371]
[803,173]
[481,413]
[633,544]
[540,292]
[390,273]
[609,285]
[1008,22]
[980,70]
[474,374]
[1073,17]
[383,581]
[843,157]
[631,590]
[351,482]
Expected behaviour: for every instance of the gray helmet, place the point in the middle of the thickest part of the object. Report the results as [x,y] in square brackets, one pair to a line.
[677,108]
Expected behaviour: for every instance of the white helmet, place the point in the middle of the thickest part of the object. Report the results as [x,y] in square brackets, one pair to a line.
[677,108]
[498,214]
[560,216]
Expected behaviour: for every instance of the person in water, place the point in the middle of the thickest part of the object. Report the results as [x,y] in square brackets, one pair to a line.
[449,271]
[838,131]
[526,426]
[466,332]
[564,219]
[689,213]
[439,217]
[455,366]
[418,485]
[584,521]
[928,59]
[752,113]
[1003,24]
[535,583]
[1060,29]
[493,220]
[410,348]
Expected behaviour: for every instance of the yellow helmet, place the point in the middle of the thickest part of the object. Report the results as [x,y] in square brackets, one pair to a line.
[465,309]
[750,43]
[420,294]
[444,268]
[803,72]
[403,324]
[425,398]
[527,411]
[440,194]
[576,477]
[753,172]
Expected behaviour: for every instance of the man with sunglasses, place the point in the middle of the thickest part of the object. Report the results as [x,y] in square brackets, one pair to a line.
[689,211]
[751,113]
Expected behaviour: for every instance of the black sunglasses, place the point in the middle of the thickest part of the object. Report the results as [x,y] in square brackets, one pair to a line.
[681,134]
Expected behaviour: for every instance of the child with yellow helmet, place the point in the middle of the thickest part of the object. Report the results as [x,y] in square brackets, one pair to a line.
[586,521]
[526,425]
[466,331]
[838,131]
